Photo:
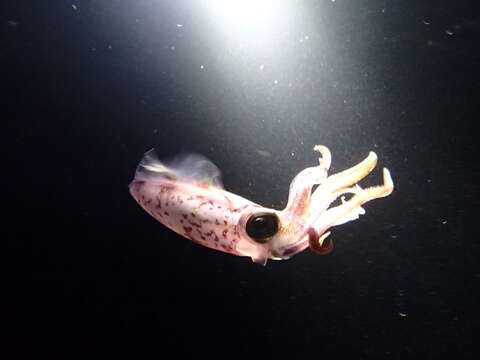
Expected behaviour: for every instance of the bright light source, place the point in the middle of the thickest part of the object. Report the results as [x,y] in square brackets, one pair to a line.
[245,12]
[249,23]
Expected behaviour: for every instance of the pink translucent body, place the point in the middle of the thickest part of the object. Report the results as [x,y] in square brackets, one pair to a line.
[187,196]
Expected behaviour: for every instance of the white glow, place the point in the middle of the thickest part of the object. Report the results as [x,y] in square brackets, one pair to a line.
[249,23]
[245,12]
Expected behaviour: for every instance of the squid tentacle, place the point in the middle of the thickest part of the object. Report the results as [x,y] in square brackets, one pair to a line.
[349,210]
[318,244]
[300,193]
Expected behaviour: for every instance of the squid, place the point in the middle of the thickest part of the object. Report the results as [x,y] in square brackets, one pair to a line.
[187,196]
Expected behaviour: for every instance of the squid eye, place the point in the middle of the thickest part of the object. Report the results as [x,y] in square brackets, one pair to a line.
[261,226]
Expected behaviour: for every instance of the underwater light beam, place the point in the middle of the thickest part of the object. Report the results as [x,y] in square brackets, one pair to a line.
[244,12]
[249,22]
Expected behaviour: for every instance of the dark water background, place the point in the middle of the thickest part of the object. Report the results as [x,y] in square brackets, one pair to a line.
[88,88]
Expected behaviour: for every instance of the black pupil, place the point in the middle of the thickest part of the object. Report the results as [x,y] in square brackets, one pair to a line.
[261,226]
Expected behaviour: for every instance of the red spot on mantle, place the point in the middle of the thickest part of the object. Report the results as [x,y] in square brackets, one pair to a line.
[195,224]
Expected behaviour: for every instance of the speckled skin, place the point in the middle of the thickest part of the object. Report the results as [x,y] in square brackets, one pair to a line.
[204,214]
[188,197]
